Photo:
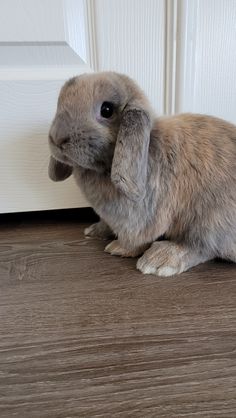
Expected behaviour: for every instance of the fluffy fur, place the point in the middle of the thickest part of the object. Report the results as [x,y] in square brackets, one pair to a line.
[147,176]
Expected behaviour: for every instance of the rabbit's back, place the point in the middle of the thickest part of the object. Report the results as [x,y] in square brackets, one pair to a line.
[198,160]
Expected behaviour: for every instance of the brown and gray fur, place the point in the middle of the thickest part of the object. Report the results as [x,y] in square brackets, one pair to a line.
[146,176]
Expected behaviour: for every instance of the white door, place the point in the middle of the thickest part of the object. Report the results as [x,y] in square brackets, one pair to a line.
[181,52]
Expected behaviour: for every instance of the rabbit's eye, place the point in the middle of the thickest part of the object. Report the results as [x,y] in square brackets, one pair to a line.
[107,109]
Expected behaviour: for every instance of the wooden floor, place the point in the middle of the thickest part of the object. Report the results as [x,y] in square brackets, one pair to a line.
[83,334]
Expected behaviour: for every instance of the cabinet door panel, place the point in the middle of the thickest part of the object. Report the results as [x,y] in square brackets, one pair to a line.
[41,45]
[206,81]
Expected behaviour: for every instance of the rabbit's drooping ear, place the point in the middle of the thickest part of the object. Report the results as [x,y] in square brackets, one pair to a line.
[129,166]
[58,171]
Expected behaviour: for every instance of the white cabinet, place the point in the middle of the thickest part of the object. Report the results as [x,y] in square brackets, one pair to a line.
[206,70]
[130,37]
[42,43]
[182,53]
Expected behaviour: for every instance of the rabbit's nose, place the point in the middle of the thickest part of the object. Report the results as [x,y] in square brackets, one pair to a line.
[59,142]
[59,133]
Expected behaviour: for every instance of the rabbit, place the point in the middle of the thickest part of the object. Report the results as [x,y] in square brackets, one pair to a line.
[147,176]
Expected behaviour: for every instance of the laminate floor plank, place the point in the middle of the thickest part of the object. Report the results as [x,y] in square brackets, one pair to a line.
[84,334]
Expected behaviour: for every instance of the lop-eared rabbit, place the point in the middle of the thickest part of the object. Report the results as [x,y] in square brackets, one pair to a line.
[146,176]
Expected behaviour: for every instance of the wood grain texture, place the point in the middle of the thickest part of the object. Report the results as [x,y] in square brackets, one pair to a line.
[23,21]
[27,110]
[207,59]
[83,334]
[42,44]
[131,39]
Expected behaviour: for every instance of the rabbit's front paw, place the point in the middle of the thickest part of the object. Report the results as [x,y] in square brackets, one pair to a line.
[98,230]
[165,258]
[114,248]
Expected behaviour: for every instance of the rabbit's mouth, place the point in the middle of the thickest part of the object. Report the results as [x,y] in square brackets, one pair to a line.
[58,153]
[94,152]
